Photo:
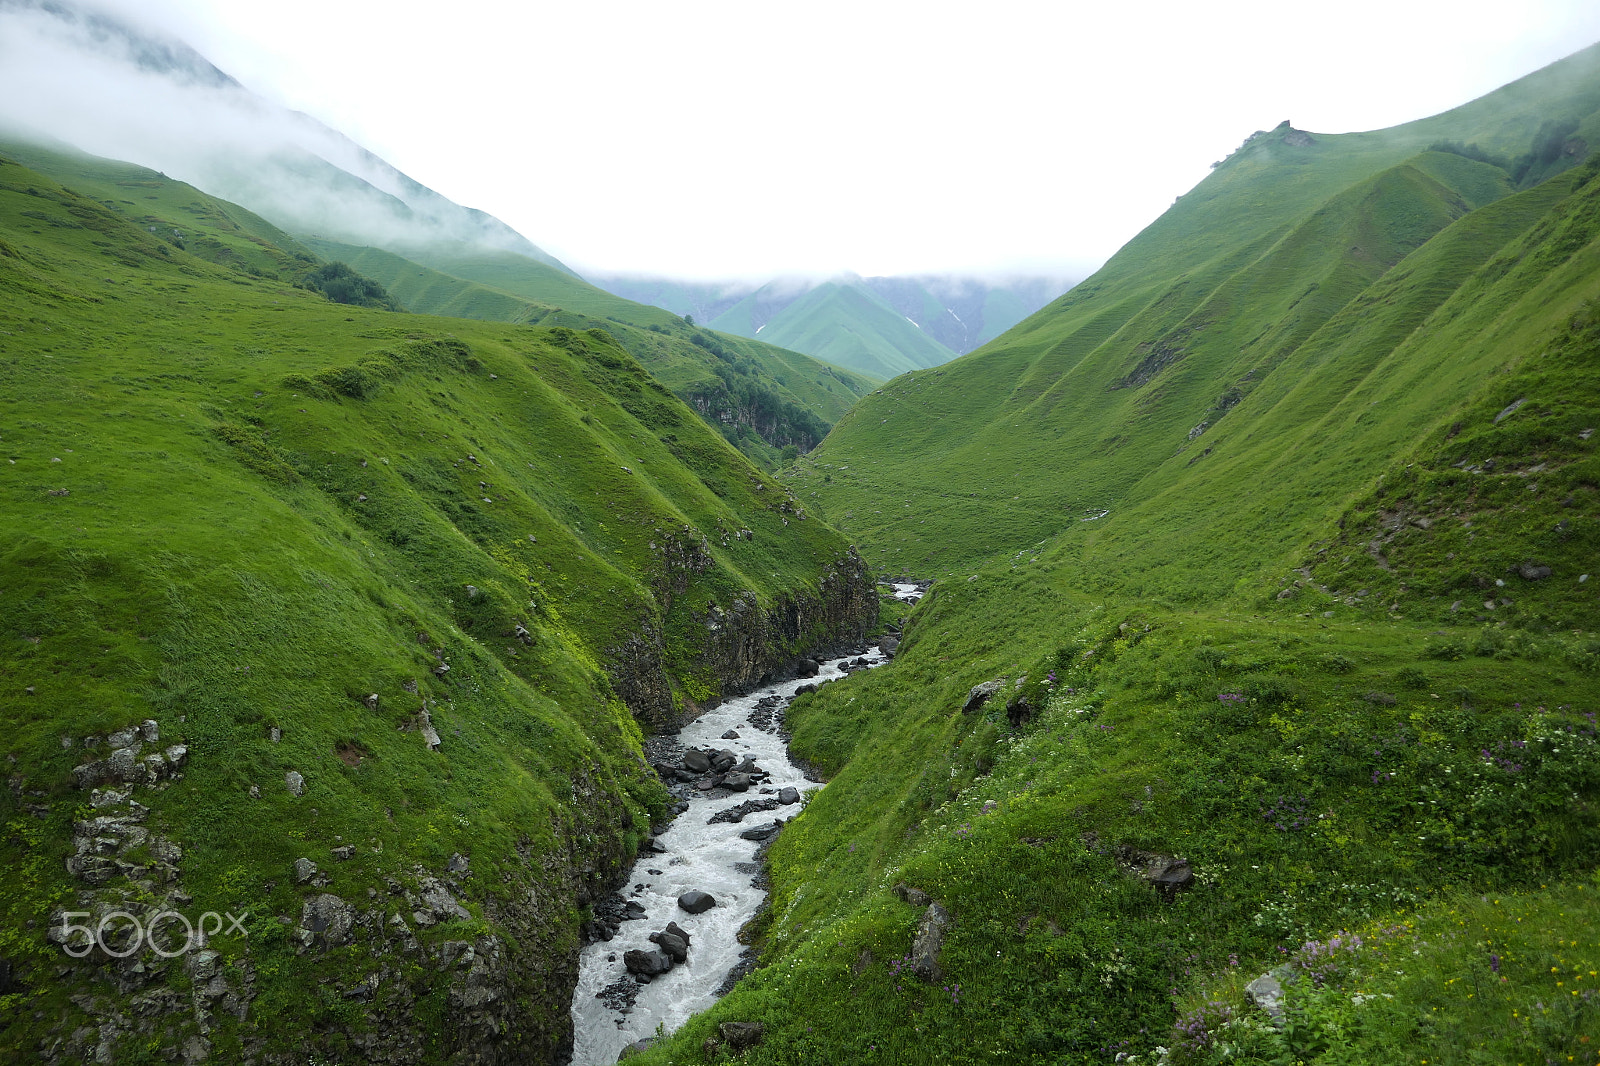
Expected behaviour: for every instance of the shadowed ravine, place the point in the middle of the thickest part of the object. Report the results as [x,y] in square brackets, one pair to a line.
[695,855]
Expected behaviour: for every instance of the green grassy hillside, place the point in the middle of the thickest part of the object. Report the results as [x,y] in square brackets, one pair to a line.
[844,323]
[399,586]
[1278,539]
[761,396]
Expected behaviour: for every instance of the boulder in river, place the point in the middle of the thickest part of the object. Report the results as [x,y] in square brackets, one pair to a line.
[673,945]
[788,795]
[732,734]
[646,962]
[737,782]
[696,761]
[723,760]
[762,832]
[736,814]
[695,901]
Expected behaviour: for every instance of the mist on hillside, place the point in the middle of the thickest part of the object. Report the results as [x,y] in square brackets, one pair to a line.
[95,81]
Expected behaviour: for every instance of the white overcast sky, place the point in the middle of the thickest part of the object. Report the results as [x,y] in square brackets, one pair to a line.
[745,139]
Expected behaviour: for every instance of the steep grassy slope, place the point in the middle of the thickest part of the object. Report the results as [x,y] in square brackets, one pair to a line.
[761,397]
[843,322]
[1277,538]
[399,586]
[759,394]
[171,211]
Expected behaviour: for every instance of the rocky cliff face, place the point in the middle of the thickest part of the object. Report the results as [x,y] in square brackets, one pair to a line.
[744,644]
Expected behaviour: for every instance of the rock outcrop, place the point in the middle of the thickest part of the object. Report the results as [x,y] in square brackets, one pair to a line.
[742,644]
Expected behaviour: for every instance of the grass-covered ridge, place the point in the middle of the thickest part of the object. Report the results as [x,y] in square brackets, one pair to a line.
[301,536]
[763,397]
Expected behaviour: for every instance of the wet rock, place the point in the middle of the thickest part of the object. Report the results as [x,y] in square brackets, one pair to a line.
[737,814]
[737,782]
[723,760]
[788,795]
[806,668]
[889,645]
[803,689]
[675,946]
[731,734]
[979,695]
[633,911]
[695,901]
[936,921]
[648,963]
[762,832]
[741,1035]
[696,761]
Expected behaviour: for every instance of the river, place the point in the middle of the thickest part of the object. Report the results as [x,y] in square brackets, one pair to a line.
[709,857]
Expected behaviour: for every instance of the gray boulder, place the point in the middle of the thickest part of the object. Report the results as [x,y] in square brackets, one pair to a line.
[1534,571]
[696,761]
[304,870]
[1266,994]
[737,782]
[695,901]
[788,795]
[889,645]
[329,916]
[638,1047]
[294,783]
[914,896]
[936,921]
[979,695]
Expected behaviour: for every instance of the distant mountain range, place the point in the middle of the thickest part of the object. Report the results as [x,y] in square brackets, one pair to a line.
[882,326]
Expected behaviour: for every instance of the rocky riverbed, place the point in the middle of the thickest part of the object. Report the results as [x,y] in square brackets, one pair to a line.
[658,951]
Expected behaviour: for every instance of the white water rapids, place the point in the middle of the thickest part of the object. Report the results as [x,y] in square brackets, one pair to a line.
[711,858]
